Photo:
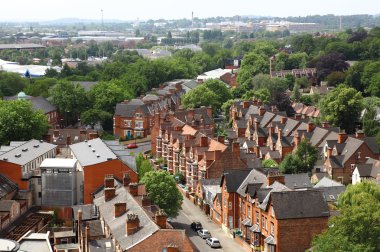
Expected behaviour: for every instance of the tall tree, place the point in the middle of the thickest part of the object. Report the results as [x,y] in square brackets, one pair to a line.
[162,190]
[303,159]
[70,99]
[342,107]
[357,227]
[20,122]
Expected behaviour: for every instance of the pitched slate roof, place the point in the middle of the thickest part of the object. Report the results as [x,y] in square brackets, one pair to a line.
[364,170]
[254,177]
[327,182]
[117,225]
[38,103]
[297,181]
[372,144]
[234,178]
[129,109]
[92,152]
[299,204]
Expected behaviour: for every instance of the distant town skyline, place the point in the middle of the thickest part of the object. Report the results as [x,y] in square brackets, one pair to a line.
[43,10]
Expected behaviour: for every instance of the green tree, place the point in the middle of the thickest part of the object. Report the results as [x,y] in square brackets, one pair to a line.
[94,116]
[269,163]
[252,65]
[335,78]
[144,168]
[342,107]
[296,94]
[40,87]
[291,164]
[200,96]
[70,99]
[220,89]
[105,96]
[20,122]
[162,190]
[11,83]
[371,125]
[303,159]
[357,227]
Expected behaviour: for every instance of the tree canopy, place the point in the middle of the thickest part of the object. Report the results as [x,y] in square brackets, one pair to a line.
[162,190]
[357,227]
[20,122]
[303,159]
[342,107]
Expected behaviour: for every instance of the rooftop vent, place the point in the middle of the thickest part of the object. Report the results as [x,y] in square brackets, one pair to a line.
[36,145]
[97,155]
[109,158]
[41,141]
[89,145]
[93,150]
[24,150]
[18,155]
[5,158]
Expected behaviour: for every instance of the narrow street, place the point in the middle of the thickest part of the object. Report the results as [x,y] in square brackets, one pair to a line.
[190,213]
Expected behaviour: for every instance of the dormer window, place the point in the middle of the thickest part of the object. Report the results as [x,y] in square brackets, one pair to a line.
[138,115]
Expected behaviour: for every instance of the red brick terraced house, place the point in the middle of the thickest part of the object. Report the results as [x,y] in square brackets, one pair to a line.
[135,118]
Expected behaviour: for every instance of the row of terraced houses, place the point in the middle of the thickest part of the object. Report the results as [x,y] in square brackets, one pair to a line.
[263,209]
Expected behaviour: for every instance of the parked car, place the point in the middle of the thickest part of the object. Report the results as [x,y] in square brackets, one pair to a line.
[196,226]
[204,233]
[132,146]
[213,242]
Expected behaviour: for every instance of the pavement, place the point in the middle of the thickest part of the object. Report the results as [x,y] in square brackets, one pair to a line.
[191,213]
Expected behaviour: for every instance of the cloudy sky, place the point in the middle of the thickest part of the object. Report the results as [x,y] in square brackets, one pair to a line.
[37,10]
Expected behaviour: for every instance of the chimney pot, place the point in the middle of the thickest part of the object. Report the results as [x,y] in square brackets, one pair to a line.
[161,218]
[109,193]
[133,189]
[132,224]
[109,181]
[126,179]
[342,136]
[261,111]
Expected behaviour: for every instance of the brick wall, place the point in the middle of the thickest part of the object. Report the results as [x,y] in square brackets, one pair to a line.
[94,176]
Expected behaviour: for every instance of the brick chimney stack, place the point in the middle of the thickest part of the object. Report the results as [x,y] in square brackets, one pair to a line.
[261,111]
[133,189]
[120,209]
[161,218]
[259,102]
[145,201]
[109,181]
[359,134]
[310,127]
[246,104]
[209,111]
[204,141]
[325,125]
[126,179]
[342,136]
[236,149]
[254,101]
[132,224]
[109,193]
[329,152]
[283,120]
[190,113]
[220,139]
[271,178]
[56,133]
